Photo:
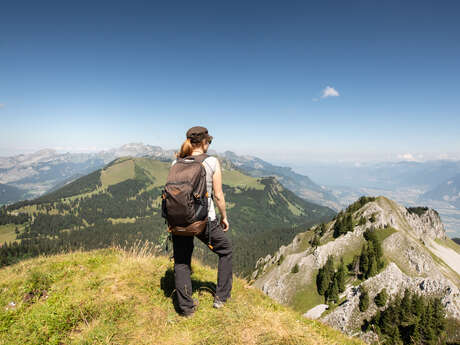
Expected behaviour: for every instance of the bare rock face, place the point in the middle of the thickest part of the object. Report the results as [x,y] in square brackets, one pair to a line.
[428,225]
[409,249]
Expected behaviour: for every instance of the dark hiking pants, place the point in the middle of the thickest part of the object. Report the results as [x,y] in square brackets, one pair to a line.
[183,249]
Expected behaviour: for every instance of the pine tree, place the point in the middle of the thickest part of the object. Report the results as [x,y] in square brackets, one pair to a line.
[315,241]
[334,290]
[325,275]
[341,275]
[363,300]
[381,298]
[338,227]
[364,260]
[439,320]
[322,229]
[322,281]
[355,265]
[372,267]
[349,223]
[405,307]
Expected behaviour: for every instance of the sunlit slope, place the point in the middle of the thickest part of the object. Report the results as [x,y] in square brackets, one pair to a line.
[112,296]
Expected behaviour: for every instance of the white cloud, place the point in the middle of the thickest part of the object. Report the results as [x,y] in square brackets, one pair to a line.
[329,91]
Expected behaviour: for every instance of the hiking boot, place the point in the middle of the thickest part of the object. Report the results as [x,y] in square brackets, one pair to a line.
[218,304]
[192,311]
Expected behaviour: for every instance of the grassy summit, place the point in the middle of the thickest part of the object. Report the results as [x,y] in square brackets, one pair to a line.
[111,296]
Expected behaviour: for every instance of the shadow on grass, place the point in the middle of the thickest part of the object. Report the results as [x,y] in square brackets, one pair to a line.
[168,287]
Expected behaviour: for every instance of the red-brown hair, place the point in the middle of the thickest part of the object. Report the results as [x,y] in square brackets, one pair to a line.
[187,148]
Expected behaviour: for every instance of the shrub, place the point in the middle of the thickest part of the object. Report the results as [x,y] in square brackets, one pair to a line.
[280,260]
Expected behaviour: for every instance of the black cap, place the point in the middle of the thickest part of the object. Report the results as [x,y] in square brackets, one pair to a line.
[197,134]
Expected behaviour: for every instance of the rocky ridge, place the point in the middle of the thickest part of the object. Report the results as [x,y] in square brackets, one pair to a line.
[408,250]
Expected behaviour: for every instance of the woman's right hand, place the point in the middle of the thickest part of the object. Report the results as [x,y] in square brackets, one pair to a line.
[224,224]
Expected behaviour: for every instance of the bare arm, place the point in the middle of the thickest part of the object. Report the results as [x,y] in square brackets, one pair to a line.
[219,196]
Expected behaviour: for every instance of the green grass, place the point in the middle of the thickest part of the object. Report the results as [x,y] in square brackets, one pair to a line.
[307,297]
[117,172]
[235,178]
[305,239]
[156,170]
[349,254]
[7,233]
[294,208]
[112,296]
[381,234]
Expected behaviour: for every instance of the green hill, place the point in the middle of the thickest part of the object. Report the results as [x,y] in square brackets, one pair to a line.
[112,296]
[120,204]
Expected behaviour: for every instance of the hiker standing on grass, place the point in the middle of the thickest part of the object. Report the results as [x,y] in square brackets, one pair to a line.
[210,231]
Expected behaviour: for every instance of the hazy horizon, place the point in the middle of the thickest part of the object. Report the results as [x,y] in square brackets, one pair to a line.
[292,160]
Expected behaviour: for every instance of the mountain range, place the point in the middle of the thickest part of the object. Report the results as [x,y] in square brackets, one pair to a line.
[47,170]
[408,183]
[38,172]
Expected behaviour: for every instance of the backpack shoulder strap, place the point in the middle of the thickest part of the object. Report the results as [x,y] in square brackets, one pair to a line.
[198,158]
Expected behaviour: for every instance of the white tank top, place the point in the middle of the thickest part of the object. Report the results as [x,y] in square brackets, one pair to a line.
[210,165]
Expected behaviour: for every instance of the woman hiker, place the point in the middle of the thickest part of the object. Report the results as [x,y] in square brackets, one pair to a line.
[197,143]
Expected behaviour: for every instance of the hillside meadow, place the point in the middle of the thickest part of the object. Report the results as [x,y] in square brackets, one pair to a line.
[117,296]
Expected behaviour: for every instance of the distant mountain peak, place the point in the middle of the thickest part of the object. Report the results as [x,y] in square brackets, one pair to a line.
[46,152]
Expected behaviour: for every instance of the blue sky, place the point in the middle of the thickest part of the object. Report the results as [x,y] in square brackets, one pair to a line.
[284,80]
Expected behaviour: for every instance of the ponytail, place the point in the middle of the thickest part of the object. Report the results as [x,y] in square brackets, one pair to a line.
[187,148]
